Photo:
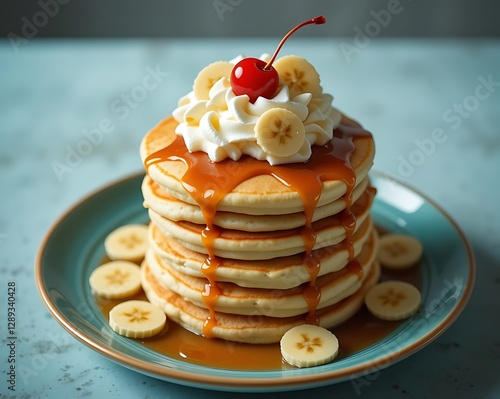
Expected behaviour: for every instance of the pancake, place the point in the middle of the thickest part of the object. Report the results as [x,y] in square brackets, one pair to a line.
[176,210]
[281,273]
[243,251]
[237,244]
[255,329]
[233,299]
[258,195]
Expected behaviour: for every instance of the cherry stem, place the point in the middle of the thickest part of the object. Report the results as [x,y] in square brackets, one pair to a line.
[316,20]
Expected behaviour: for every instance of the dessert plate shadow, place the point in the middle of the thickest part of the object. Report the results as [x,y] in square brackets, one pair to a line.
[74,246]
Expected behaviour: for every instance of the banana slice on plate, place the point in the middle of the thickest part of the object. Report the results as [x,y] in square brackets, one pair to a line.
[137,319]
[299,75]
[399,251]
[117,279]
[208,76]
[127,242]
[308,345]
[280,132]
[393,300]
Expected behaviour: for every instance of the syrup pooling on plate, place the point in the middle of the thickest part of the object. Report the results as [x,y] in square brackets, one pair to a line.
[208,182]
[356,334]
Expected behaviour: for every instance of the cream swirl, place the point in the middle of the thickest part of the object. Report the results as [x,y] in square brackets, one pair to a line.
[224,125]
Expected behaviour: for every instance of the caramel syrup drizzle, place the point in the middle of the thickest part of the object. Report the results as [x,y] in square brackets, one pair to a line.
[208,182]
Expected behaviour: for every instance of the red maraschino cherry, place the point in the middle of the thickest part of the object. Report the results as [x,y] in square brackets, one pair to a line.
[256,78]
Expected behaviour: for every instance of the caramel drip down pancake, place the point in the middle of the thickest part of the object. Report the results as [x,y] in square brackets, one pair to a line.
[334,287]
[234,240]
[254,329]
[261,194]
[279,273]
[176,210]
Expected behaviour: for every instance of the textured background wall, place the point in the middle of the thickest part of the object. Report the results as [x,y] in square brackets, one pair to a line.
[165,18]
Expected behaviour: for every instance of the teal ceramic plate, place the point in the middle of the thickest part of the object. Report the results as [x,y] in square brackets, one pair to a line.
[74,246]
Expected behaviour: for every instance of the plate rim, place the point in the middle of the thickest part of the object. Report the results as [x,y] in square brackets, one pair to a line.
[251,384]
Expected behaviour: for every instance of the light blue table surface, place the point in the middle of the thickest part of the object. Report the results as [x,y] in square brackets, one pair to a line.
[401,90]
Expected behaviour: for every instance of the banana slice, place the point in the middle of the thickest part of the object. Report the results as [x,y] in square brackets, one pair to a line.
[208,76]
[117,279]
[127,242]
[308,345]
[137,319]
[393,300]
[299,75]
[280,132]
[399,251]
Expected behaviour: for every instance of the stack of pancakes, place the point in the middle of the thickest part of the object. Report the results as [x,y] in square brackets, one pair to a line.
[253,282]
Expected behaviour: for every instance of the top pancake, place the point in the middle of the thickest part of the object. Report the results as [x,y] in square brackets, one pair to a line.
[259,195]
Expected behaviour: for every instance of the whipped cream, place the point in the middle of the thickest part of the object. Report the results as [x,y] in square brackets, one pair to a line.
[223,126]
